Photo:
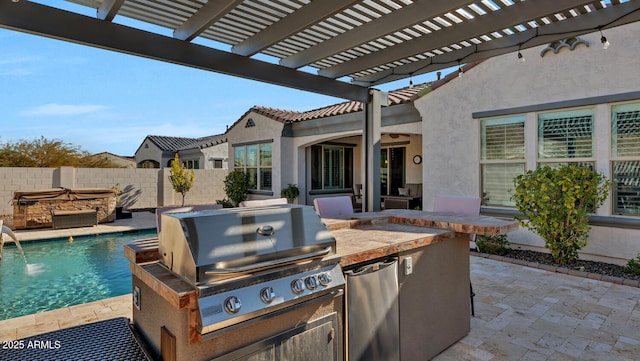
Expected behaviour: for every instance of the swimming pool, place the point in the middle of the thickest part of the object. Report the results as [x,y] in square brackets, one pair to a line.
[63,273]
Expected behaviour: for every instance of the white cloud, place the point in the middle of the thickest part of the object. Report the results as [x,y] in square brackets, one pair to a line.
[54,109]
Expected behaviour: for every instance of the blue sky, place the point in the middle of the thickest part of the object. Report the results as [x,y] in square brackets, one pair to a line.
[103,101]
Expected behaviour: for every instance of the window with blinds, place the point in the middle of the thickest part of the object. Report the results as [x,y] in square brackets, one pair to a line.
[567,134]
[625,144]
[331,167]
[502,158]
[256,161]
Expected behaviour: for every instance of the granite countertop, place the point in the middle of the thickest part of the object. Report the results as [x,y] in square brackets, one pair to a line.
[364,237]
[368,236]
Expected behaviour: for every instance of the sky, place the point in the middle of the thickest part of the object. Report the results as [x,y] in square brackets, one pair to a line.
[104,101]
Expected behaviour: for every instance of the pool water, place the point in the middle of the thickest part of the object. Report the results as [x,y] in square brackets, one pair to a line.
[63,273]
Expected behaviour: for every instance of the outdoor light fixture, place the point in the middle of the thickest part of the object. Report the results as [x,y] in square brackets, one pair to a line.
[411,81]
[520,56]
[460,72]
[604,41]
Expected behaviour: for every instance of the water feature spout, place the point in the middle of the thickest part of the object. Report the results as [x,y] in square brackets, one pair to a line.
[31,268]
[6,230]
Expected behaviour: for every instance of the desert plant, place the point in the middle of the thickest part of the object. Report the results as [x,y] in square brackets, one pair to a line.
[180,177]
[555,202]
[290,193]
[236,186]
[633,266]
[493,244]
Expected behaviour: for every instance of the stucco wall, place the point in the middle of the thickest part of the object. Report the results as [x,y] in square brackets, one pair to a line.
[149,151]
[264,130]
[220,151]
[451,137]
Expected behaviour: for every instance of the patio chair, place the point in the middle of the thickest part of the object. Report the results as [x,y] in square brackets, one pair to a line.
[357,197]
[334,207]
[262,202]
[462,205]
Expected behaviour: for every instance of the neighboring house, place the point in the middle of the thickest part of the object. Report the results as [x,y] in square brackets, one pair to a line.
[321,150]
[121,161]
[196,153]
[571,102]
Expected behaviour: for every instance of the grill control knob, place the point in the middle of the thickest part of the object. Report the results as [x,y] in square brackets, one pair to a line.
[325,279]
[232,305]
[297,286]
[267,295]
[311,282]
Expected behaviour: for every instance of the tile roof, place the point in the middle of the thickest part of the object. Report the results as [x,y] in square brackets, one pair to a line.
[399,96]
[173,144]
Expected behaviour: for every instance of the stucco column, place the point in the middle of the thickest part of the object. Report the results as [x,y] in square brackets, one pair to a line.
[371,149]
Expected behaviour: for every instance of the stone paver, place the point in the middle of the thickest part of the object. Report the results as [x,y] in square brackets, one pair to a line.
[522,313]
[525,313]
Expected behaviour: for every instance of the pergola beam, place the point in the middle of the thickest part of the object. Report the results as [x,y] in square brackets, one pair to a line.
[208,14]
[411,14]
[43,20]
[481,25]
[605,18]
[293,23]
[108,9]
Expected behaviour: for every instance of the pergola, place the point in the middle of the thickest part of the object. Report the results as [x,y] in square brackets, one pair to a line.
[341,48]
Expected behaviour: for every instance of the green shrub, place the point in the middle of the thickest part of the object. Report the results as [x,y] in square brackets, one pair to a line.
[236,186]
[290,193]
[555,202]
[633,266]
[493,244]
[180,177]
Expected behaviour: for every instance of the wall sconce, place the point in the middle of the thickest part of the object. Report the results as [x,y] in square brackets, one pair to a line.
[604,41]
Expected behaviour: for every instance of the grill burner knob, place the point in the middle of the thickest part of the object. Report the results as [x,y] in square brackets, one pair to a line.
[324,279]
[297,286]
[311,282]
[232,304]
[267,295]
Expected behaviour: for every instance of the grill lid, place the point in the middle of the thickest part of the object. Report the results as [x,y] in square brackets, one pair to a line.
[217,244]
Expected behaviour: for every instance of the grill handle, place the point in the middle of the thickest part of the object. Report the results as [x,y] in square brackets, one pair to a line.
[269,264]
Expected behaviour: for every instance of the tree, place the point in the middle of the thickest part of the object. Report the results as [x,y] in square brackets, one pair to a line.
[555,202]
[46,153]
[236,186]
[180,177]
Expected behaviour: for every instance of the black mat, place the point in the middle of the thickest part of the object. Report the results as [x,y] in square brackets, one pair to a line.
[105,340]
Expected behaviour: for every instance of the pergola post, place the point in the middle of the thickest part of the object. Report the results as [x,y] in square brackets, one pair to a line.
[371,125]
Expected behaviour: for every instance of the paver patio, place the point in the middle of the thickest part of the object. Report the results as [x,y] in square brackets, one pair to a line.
[522,313]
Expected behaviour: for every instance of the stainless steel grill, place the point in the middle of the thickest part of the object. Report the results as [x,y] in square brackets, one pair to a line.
[250,262]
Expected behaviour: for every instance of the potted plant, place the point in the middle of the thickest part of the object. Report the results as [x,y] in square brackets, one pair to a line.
[290,193]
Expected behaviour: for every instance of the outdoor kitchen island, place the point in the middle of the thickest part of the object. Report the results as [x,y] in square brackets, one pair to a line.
[433,298]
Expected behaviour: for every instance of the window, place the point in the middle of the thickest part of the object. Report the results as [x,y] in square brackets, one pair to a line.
[502,159]
[331,167]
[566,137]
[191,164]
[625,151]
[217,163]
[256,161]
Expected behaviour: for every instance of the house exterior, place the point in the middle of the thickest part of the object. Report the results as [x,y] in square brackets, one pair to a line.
[320,151]
[209,152]
[118,160]
[568,102]
[571,102]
